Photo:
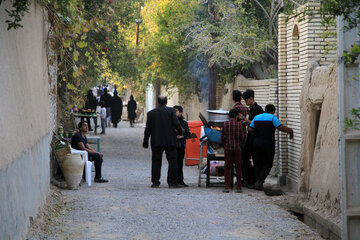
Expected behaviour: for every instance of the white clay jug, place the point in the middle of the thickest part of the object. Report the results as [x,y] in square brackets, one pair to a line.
[72,169]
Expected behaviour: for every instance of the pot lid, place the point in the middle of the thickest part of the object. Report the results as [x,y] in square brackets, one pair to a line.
[220,111]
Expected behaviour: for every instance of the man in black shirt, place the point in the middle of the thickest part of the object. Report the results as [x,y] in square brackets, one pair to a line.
[79,142]
[247,153]
[255,109]
[181,144]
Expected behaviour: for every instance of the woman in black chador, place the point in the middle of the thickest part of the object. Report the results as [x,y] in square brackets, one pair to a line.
[90,104]
[131,108]
[116,109]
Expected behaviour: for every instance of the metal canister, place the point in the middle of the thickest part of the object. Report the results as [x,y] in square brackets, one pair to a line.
[61,131]
[218,115]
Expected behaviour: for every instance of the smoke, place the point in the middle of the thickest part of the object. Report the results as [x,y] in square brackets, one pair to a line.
[199,69]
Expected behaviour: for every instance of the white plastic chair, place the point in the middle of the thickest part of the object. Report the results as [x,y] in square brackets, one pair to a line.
[88,164]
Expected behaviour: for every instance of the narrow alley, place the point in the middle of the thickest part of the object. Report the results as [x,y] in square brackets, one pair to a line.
[127,208]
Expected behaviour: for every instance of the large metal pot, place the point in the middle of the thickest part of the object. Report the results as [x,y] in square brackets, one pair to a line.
[218,115]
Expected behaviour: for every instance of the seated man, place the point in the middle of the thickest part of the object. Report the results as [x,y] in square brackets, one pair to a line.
[79,142]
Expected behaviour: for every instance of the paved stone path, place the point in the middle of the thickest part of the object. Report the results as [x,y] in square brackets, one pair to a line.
[127,208]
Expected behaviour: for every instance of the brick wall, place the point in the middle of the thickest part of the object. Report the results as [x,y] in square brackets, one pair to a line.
[300,41]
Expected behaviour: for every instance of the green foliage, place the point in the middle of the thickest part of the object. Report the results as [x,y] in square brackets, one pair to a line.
[19,8]
[351,55]
[161,54]
[349,9]
[229,38]
[179,39]
[182,39]
[88,38]
[353,122]
[178,34]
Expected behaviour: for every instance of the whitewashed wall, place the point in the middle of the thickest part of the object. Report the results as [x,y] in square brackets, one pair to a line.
[300,42]
[25,124]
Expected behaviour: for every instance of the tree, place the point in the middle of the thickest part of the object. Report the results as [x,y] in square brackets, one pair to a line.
[183,43]
[162,58]
[184,39]
[349,9]
[228,36]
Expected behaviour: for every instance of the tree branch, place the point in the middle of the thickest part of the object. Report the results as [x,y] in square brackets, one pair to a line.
[264,10]
[295,3]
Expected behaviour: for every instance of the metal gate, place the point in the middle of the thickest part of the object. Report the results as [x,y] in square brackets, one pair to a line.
[349,139]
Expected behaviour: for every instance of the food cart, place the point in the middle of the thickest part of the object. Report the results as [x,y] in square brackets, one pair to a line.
[212,140]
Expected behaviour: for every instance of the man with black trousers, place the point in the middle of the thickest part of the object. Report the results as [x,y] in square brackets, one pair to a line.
[263,127]
[162,125]
[181,144]
[247,153]
[79,142]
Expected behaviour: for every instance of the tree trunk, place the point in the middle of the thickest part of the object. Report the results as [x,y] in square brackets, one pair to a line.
[137,36]
[212,69]
[157,91]
[212,87]
[257,69]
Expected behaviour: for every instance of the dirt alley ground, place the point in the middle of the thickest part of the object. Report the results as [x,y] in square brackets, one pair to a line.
[127,208]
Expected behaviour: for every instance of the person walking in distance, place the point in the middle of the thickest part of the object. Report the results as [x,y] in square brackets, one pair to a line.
[102,114]
[181,144]
[131,108]
[232,135]
[247,151]
[107,99]
[90,103]
[263,127]
[116,109]
[162,125]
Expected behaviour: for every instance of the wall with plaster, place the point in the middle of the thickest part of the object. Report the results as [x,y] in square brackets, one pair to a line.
[319,162]
[25,123]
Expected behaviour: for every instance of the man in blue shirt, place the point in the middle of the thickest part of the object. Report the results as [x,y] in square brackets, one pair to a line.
[263,127]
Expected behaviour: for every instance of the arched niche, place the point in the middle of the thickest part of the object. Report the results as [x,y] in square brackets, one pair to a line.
[295,51]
